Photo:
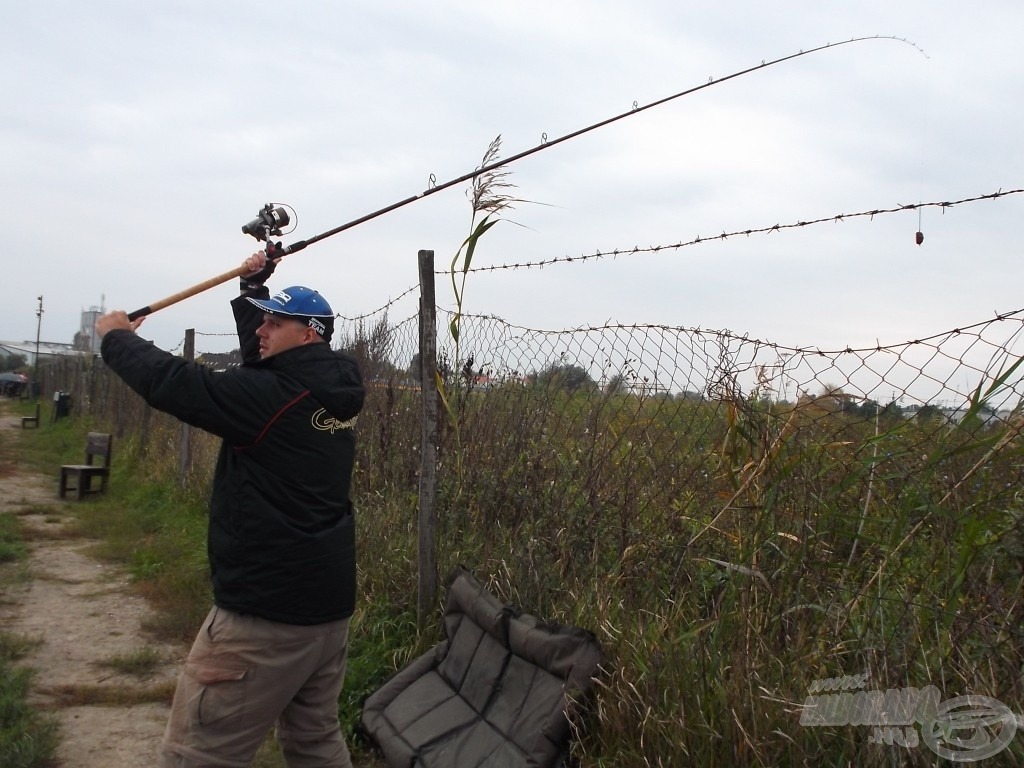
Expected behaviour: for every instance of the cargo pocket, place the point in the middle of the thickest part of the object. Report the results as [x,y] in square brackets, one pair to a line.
[223,691]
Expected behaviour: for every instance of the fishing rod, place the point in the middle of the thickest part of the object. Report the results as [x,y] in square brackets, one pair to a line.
[271,219]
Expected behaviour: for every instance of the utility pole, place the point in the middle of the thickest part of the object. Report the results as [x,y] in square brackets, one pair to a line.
[35,374]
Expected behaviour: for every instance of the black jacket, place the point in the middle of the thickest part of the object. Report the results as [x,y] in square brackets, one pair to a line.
[282,530]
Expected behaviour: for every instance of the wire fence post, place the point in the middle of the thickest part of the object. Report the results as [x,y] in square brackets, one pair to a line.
[185,443]
[427,524]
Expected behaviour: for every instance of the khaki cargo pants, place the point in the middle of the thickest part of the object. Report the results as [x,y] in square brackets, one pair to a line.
[246,674]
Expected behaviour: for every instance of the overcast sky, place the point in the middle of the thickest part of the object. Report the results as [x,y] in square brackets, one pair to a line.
[138,137]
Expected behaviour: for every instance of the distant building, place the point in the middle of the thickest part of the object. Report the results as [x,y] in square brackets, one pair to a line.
[87,340]
[48,350]
[986,416]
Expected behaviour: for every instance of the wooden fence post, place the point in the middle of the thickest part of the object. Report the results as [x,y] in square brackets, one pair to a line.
[185,442]
[427,523]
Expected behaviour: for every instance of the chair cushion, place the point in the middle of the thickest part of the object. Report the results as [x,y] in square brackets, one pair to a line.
[495,692]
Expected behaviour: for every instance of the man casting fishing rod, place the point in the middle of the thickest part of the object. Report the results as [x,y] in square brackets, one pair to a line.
[281,539]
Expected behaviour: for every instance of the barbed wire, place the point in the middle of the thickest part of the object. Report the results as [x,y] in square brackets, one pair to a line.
[338,316]
[381,309]
[746,232]
[870,214]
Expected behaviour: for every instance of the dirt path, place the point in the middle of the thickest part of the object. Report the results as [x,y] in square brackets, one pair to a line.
[83,613]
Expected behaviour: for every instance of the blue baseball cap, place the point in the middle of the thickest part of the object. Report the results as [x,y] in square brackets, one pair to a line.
[301,303]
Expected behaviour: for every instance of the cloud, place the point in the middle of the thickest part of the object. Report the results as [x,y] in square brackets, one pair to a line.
[140,139]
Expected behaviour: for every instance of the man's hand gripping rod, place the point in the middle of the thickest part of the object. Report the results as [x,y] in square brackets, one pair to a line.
[268,223]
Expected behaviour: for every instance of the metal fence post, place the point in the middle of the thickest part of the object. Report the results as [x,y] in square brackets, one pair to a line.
[427,523]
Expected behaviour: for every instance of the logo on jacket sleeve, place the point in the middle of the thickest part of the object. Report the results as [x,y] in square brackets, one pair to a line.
[326,423]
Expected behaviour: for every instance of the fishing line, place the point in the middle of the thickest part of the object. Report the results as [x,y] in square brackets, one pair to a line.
[277,216]
[547,143]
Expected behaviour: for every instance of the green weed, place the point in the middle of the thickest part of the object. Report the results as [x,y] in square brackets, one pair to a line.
[12,546]
[27,738]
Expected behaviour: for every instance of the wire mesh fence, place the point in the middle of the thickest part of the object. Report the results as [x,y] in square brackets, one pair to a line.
[737,521]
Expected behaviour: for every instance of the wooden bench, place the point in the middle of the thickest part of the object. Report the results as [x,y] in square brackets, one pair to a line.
[97,447]
[31,421]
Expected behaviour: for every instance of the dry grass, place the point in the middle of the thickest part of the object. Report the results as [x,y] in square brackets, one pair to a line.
[142,662]
[86,695]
